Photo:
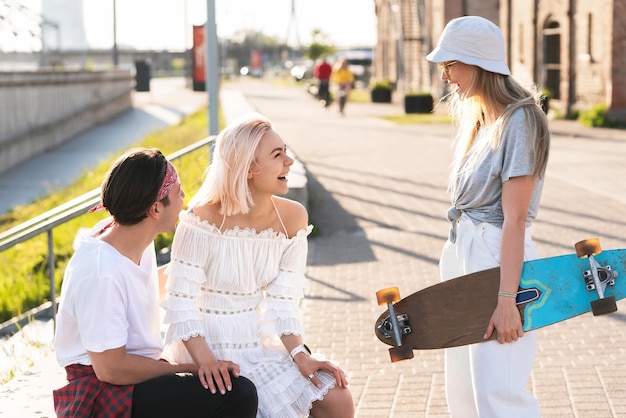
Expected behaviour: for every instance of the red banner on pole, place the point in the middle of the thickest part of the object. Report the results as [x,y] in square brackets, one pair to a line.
[256,62]
[199,59]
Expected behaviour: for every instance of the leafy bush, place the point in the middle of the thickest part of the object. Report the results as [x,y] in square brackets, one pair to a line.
[383,84]
[417,94]
[595,117]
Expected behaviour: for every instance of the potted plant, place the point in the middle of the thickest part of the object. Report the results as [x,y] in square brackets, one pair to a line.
[418,102]
[381,91]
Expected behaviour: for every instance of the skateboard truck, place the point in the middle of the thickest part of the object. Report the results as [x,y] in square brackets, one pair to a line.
[395,325]
[598,277]
[389,328]
[606,276]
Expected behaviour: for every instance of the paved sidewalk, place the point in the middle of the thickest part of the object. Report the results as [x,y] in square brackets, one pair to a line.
[377,198]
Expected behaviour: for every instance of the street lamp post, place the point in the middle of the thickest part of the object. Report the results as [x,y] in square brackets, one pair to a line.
[115,58]
[45,49]
[211,67]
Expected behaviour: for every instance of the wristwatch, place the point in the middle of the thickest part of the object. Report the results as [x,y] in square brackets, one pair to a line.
[302,348]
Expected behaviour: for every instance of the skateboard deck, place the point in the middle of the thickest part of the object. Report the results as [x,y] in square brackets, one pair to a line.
[456,312]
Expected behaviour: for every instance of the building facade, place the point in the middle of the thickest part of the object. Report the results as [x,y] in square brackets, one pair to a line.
[575,49]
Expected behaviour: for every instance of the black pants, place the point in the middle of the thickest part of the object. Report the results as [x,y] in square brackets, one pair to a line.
[322,92]
[182,396]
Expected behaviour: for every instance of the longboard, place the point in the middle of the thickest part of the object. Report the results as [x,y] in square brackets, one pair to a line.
[456,312]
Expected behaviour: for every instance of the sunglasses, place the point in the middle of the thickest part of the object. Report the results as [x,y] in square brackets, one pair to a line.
[444,67]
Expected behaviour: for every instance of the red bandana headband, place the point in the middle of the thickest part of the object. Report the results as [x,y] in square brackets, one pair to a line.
[169,181]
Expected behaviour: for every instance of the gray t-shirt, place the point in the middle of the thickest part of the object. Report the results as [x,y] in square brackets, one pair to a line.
[478,193]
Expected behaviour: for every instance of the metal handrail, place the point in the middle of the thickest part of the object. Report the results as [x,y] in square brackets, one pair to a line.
[49,220]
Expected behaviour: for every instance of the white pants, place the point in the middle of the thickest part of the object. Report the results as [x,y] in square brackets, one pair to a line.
[486,380]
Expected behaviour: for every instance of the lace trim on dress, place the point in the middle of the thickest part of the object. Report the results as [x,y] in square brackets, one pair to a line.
[213,311]
[282,297]
[228,292]
[280,219]
[281,327]
[244,232]
[192,335]
[289,396]
[181,295]
[235,346]
[183,331]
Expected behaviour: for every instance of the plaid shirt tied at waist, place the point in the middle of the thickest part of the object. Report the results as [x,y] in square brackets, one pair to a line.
[86,396]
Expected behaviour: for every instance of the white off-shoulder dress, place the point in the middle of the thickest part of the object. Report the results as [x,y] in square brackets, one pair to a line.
[240,289]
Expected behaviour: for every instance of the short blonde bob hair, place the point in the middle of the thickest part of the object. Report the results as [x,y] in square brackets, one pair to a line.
[226,181]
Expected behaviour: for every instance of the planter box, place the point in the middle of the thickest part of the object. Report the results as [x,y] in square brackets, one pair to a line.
[381,95]
[418,104]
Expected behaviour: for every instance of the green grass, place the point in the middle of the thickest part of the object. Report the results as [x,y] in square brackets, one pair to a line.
[419,118]
[359,96]
[24,282]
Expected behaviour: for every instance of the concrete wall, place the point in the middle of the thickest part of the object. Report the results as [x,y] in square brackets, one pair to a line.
[40,110]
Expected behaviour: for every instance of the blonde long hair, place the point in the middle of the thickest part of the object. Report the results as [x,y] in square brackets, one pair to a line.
[226,180]
[496,98]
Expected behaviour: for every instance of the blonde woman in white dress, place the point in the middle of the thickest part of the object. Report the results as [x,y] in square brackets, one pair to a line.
[237,275]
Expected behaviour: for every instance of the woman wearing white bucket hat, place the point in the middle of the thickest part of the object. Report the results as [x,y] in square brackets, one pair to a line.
[500,157]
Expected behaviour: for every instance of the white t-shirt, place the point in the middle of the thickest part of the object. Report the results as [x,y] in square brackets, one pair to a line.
[107,301]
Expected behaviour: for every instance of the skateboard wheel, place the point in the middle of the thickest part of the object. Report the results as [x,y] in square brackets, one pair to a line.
[401,352]
[388,295]
[588,247]
[603,306]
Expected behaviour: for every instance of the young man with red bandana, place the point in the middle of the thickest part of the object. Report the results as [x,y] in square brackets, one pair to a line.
[108,334]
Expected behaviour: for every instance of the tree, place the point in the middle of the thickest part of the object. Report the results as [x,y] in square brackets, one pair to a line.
[320,46]
[239,47]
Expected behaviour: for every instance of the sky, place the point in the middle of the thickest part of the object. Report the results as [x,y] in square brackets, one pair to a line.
[165,24]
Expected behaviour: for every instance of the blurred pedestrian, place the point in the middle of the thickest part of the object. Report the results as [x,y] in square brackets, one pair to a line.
[501,152]
[322,73]
[343,78]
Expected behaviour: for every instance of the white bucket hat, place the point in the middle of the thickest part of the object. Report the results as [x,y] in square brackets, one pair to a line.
[472,40]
